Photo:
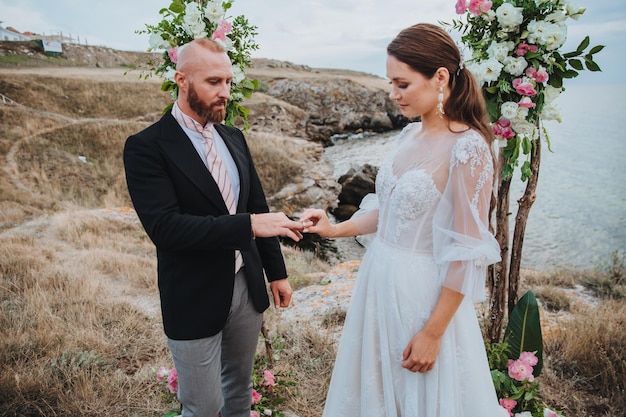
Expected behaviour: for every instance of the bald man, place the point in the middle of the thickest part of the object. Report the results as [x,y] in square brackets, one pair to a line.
[212,251]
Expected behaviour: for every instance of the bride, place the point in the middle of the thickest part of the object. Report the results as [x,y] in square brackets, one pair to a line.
[411,344]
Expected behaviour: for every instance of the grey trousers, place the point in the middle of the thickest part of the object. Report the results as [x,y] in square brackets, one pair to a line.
[215,373]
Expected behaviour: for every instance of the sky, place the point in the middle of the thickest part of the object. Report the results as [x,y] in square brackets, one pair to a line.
[343,34]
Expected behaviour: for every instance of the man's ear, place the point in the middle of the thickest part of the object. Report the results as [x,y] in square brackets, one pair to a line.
[181,80]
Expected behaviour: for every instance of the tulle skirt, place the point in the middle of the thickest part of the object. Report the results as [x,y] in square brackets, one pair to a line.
[394,295]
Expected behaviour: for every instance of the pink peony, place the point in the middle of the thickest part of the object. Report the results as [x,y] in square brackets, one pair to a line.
[523,47]
[508,405]
[254,414]
[268,379]
[256,397]
[539,75]
[524,87]
[529,358]
[503,129]
[173,54]
[527,103]
[476,7]
[520,371]
[224,27]
[460,6]
[172,381]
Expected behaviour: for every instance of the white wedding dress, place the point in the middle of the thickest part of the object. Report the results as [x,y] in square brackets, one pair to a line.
[430,209]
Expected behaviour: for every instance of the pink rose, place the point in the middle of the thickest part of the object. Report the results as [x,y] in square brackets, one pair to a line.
[172,381]
[508,405]
[503,129]
[529,358]
[520,371]
[527,103]
[269,379]
[224,27]
[173,54]
[524,87]
[539,75]
[477,7]
[256,397]
[460,6]
[254,414]
[523,47]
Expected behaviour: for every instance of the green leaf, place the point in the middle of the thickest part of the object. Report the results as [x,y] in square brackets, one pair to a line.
[576,64]
[526,145]
[571,73]
[523,332]
[583,45]
[526,171]
[177,6]
[596,49]
[572,54]
[591,65]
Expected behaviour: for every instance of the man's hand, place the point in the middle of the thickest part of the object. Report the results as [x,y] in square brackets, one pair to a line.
[281,290]
[275,224]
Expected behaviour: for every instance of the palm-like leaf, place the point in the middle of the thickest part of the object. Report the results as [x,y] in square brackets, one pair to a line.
[523,332]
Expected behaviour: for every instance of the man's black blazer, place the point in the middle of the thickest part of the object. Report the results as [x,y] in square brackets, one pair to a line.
[181,208]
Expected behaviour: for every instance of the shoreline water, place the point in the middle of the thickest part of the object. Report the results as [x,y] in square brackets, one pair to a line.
[579,216]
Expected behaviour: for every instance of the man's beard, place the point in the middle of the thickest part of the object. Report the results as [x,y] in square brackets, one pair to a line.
[205,111]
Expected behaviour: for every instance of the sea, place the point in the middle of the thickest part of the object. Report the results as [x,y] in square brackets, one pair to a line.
[578,220]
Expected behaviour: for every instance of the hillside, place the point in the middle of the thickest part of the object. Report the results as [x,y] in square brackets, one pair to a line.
[78,297]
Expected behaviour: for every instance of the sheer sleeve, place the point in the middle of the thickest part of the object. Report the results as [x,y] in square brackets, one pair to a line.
[462,241]
[366,219]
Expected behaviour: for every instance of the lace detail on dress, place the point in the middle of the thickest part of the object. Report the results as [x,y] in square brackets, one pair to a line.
[473,149]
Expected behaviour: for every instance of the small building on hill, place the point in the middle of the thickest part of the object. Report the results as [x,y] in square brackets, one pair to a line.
[10,34]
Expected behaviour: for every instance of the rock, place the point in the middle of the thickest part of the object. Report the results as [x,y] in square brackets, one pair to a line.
[355,184]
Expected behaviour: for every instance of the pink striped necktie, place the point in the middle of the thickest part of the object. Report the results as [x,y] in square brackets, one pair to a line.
[215,165]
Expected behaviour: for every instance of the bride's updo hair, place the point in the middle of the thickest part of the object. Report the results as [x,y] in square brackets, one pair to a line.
[426,48]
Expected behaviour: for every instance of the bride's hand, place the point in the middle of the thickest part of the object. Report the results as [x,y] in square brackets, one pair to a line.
[421,353]
[317,221]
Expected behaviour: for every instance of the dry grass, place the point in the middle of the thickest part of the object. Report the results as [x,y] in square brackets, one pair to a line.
[78,299]
[79,311]
[277,159]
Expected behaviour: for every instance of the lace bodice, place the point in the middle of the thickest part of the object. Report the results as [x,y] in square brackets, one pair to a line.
[432,197]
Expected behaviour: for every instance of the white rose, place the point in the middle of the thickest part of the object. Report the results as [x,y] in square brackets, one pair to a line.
[227,44]
[551,112]
[524,414]
[555,35]
[509,16]
[169,74]
[214,11]
[157,42]
[522,113]
[573,10]
[515,66]
[509,109]
[551,93]
[500,50]
[238,74]
[523,127]
[491,69]
[192,14]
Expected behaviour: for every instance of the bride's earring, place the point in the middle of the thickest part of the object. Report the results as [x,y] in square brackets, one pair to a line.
[440,111]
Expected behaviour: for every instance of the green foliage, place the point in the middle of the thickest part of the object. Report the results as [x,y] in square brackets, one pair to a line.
[186,20]
[523,332]
[515,56]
